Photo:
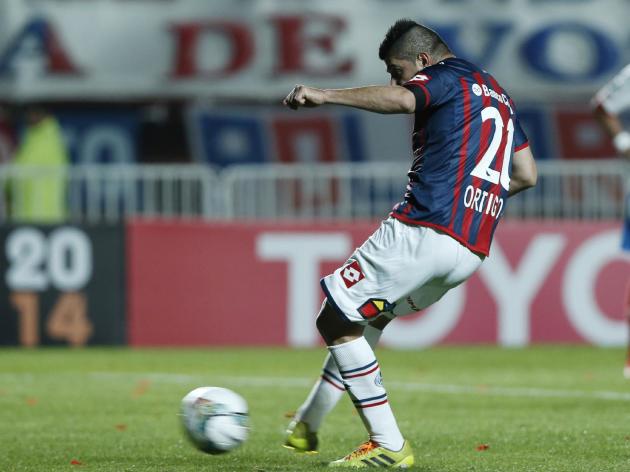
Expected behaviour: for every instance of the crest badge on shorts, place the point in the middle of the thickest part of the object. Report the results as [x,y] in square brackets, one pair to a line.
[374,307]
[351,274]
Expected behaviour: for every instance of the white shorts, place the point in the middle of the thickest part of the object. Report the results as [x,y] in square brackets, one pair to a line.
[399,270]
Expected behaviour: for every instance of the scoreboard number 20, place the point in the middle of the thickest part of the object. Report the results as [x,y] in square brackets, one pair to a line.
[61,260]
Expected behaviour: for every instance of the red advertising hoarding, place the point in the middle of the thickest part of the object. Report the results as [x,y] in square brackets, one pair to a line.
[211,284]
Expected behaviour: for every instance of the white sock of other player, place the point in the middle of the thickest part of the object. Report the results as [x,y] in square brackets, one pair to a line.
[361,374]
[329,388]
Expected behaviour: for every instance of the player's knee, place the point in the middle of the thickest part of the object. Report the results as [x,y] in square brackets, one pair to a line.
[333,329]
[323,321]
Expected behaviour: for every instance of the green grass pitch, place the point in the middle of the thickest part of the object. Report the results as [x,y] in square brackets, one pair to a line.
[553,408]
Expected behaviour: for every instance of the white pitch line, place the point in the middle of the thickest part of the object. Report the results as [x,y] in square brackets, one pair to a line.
[303,382]
[510,391]
[453,389]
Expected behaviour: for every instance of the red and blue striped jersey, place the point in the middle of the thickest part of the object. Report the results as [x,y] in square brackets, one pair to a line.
[465,133]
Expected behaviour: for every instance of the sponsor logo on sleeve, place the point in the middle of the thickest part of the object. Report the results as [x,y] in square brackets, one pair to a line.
[421,78]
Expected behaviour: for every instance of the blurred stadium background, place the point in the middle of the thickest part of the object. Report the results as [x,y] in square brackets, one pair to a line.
[197,212]
[188,183]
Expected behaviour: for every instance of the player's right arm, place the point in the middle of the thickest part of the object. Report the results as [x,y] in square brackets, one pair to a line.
[380,99]
[607,105]
[524,173]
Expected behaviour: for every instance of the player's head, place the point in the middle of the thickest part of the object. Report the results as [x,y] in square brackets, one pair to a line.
[409,47]
[35,113]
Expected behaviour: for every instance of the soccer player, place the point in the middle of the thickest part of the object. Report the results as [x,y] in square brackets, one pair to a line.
[612,100]
[469,155]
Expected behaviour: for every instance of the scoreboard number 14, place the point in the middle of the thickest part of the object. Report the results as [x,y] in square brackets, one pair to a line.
[62,261]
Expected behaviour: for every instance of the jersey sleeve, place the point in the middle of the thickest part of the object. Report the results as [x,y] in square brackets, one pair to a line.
[428,88]
[520,138]
[614,97]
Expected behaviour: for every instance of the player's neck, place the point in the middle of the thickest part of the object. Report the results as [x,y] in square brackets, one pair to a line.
[449,55]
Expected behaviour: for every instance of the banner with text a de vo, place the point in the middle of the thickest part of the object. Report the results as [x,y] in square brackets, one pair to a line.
[539,50]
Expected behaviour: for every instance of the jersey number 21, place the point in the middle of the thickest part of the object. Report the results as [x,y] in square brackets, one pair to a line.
[482,169]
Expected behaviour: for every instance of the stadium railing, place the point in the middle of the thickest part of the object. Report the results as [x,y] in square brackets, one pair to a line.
[576,189]
[108,193]
[304,192]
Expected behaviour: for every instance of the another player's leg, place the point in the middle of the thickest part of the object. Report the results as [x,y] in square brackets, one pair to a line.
[328,389]
[361,376]
[325,394]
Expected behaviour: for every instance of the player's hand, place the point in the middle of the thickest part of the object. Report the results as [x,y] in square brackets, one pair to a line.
[303,96]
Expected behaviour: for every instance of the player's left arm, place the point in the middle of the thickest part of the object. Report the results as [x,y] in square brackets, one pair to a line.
[611,123]
[524,172]
[378,98]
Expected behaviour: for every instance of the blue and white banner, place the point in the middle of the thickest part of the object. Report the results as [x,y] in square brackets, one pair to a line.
[247,135]
[101,136]
[544,50]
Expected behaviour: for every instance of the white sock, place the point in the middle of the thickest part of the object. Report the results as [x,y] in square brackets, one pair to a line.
[362,376]
[329,388]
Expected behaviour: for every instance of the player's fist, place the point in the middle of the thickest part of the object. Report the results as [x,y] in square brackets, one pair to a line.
[303,96]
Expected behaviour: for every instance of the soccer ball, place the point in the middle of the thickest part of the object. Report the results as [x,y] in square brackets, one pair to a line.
[215,419]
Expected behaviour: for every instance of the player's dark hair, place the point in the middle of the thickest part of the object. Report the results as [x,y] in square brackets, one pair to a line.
[406,39]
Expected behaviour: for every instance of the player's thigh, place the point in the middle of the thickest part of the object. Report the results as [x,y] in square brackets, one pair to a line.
[465,264]
[420,299]
[393,263]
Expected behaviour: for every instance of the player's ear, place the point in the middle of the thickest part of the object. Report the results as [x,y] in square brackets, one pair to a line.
[424,59]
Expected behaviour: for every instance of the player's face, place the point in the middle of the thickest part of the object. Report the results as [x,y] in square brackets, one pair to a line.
[401,70]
